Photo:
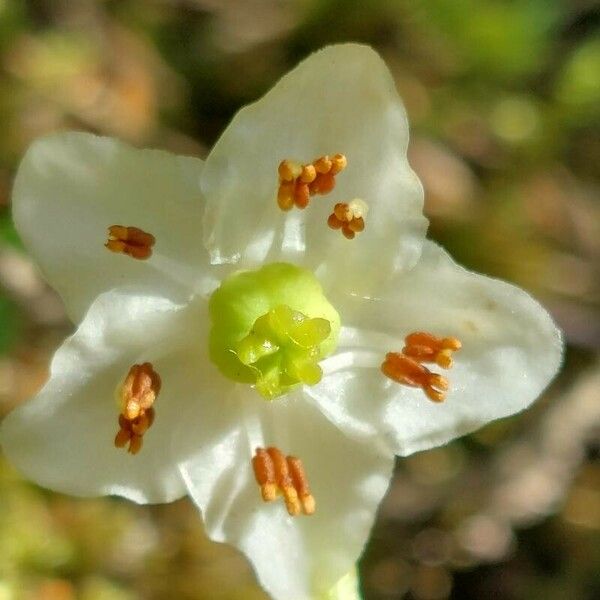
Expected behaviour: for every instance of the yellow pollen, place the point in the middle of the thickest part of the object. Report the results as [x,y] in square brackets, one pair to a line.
[406,370]
[277,474]
[297,182]
[426,347]
[131,241]
[136,397]
[349,217]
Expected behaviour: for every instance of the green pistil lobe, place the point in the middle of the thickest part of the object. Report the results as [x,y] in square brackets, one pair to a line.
[283,347]
[271,328]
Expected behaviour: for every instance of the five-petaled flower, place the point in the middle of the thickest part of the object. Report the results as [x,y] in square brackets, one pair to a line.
[254,350]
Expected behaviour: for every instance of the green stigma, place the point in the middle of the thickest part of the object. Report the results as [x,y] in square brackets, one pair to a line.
[271,327]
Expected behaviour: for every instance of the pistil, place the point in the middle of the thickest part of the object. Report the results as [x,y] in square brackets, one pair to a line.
[283,349]
[270,328]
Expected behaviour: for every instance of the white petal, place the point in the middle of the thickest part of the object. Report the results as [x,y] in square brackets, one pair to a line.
[341,99]
[63,438]
[296,558]
[72,186]
[511,351]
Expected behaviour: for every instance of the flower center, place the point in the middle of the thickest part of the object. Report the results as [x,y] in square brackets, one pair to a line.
[283,347]
[131,241]
[271,327]
[277,474]
[136,397]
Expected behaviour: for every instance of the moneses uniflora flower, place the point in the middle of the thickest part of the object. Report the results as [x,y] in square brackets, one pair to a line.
[233,344]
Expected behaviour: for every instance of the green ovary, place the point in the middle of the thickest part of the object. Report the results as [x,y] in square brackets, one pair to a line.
[271,328]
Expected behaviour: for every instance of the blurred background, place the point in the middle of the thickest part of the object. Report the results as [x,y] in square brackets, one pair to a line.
[504,101]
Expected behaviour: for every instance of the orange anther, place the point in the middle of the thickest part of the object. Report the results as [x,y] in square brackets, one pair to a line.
[338,163]
[289,170]
[136,396]
[323,184]
[301,195]
[357,225]
[347,232]
[132,431]
[285,195]
[122,437]
[301,484]
[334,222]
[277,474]
[135,444]
[131,241]
[342,211]
[426,347]
[406,370]
[349,217]
[298,182]
[264,472]
[323,164]
[309,174]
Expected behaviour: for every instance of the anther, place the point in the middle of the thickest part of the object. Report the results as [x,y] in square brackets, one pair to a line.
[338,163]
[284,481]
[426,347]
[406,370]
[301,195]
[301,484]
[286,194]
[298,182]
[349,217]
[277,474]
[309,174]
[136,397]
[264,472]
[323,165]
[323,184]
[131,241]
[289,170]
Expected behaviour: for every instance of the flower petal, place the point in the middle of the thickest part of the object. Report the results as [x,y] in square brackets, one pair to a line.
[511,350]
[63,438]
[296,558]
[342,99]
[72,186]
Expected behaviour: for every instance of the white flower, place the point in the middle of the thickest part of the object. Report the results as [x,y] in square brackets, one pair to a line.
[144,323]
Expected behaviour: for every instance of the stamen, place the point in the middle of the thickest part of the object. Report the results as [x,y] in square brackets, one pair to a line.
[338,163]
[425,347]
[309,174]
[278,474]
[406,370]
[136,397]
[131,241]
[349,217]
[297,182]
[284,481]
[264,472]
[301,484]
